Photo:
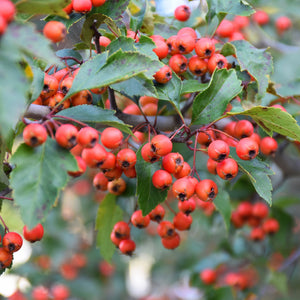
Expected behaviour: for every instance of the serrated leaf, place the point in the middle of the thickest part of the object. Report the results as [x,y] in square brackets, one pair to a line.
[39,7]
[192,86]
[12,94]
[25,39]
[112,8]
[135,87]
[109,213]
[273,119]
[222,203]
[39,176]
[258,172]
[258,62]
[171,91]
[136,19]
[118,67]
[94,115]
[148,196]
[123,43]
[211,103]
[146,46]
[87,31]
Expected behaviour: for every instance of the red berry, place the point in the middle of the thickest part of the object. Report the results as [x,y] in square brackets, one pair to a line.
[117,186]
[40,293]
[161,49]
[260,210]
[109,162]
[211,166]
[208,276]
[257,234]
[270,226]
[60,292]
[241,22]
[282,24]
[161,145]
[197,65]
[244,210]
[97,3]
[111,137]
[166,229]
[7,11]
[66,136]
[34,234]
[205,137]
[187,30]
[162,179]
[236,220]
[247,148]
[171,243]
[206,190]
[113,174]
[205,47]
[34,134]
[82,6]
[3,25]
[243,129]
[182,13]
[148,155]
[94,157]
[163,75]
[87,137]
[185,43]
[216,61]
[126,158]
[81,165]
[100,182]
[5,259]
[268,145]
[261,17]
[122,230]
[55,31]
[138,220]
[187,206]
[185,171]
[178,63]
[12,242]
[127,247]
[182,221]
[173,162]
[218,150]
[227,168]
[157,214]
[225,29]
[183,189]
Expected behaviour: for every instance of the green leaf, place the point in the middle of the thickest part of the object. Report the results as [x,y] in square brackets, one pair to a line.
[72,19]
[222,293]
[25,39]
[146,46]
[258,62]
[119,66]
[211,103]
[39,176]
[87,31]
[222,203]
[171,91]
[148,196]
[14,86]
[135,87]
[165,30]
[279,281]
[123,43]
[69,53]
[94,115]
[136,20]
[109,213]
[192,86]
[112,8]
[37,82]
[39,7]
[258,173]
[273,119]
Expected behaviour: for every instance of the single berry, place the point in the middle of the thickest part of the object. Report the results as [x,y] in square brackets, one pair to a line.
[81,165]
[171,243]
[126,158]
[247,148]
[100,182]
[225,29]
[218,150]
[197,65]
[243,129]
[182,13]
[166,229]
[205,48]
[111,138]
[161,179]
[55,31]
[5,258]
[257,234]
[182,221]
[206,190]
[157,214]
[87,137]
[270,226]
[261,17]
[216,61]
[12,242]
[94,157]
[260,210]
[127,247]
[117,186]
[173,162]
[163,75]
[208,276]
[138,220]
[227,169]
[82,6]
[34,134]
[161,145]
[66,136]
[34,234]
[183,189]
[268,145]
[178,63]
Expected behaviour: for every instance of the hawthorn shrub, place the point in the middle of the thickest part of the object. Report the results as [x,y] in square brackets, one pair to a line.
[169,139]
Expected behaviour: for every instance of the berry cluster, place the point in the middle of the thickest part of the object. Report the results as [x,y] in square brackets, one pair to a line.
[7,14]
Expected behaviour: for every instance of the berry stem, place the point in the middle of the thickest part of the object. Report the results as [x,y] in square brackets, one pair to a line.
[7,198]
[170,208]
[4,224]
[96,37]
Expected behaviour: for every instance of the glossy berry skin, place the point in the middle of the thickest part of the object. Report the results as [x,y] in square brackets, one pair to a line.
[117,186]
[166,229]
[161,145]
[257,234]
[216,61]
[261,17]
[60,292]
[206,190]
[161,49]
[34,234]
[178,63]
[55,31]
[12,242]
[260,210]
[109,162]
[111,137]
[171,243]
[247,148]
[138,220]
[227,169]
[5,258]
[197,65]
[34,134]
[157,214]
[94,157]
[40,293]
[122,230]
[161,179]
[173,162]
[185,43]
[208,276]
[182,13]
[127,247]
[126,158]
[211,166]
[183,189]
[97,3]
[182,221]
[225,29]
[185,171]
[218,150]
[163,75]
[100,182]
[66,136]
[87,137]
[82,6]
[243,129]
[113,174]
[187,30]
[148,155]
[270,226]
[205,137]
[187,206]
[205,48]
[268,146]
